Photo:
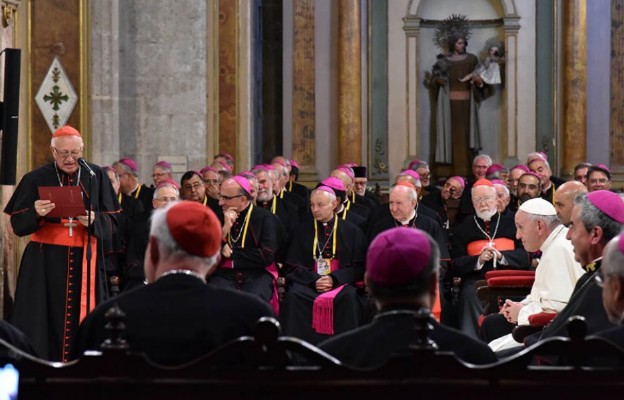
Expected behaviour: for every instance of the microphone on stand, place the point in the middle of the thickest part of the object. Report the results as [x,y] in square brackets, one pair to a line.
[86,165]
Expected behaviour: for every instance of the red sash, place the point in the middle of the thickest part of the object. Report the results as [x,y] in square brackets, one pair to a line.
[57,234]
[500,244]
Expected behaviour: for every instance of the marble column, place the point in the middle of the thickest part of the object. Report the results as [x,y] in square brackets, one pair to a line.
[616,141]
[303,92]
[349,82]
[573,84]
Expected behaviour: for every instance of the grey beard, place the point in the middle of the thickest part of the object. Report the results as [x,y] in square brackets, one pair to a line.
[486,215]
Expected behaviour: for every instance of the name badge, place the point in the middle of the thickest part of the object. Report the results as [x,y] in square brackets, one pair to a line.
[322,266]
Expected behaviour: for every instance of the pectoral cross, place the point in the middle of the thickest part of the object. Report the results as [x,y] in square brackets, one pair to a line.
[70,225]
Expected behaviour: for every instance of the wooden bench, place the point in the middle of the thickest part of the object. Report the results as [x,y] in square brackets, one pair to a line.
[279,367]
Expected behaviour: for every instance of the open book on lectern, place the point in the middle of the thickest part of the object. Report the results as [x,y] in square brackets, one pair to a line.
[67,200]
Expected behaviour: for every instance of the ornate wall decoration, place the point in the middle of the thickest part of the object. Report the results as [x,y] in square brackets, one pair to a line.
[56,97]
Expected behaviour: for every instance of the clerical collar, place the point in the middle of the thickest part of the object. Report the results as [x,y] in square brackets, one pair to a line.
[58,176]
[136,189]
[183,272]
[341,208]
[411,217]
[593,266]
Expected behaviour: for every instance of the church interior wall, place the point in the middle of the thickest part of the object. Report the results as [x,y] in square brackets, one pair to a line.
[598,80]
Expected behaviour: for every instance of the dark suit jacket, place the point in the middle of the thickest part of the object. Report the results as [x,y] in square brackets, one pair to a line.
[176,319]
[372,345]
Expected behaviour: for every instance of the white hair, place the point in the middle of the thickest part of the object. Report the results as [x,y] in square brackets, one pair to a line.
[167,245]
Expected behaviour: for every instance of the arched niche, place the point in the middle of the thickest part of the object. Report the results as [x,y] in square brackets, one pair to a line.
[498,113]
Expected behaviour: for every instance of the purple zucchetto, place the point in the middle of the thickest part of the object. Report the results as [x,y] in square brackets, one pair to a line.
[459,180]
[609,203]
[163,164]
[347,170]
[521,167]
[411,173]
[397,256]
[333,183]
[243,182]
[130,163]
[325,189]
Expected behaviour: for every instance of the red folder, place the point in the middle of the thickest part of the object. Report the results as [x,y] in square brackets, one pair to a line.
[67,200]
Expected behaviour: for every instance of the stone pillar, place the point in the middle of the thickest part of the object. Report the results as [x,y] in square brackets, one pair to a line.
[573,84]
[303,93]
[349,82]
[616,141]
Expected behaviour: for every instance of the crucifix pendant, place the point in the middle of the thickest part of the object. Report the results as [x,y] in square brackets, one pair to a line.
[70,225]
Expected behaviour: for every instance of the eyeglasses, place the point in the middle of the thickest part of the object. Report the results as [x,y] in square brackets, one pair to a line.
[228,198]
[211,181]
[67,153]
[483,199]
[160,175]
[166,199]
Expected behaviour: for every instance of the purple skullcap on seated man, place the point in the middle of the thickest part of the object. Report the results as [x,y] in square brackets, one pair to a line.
[460,180]
[336,185]
[497,182]
[66,131]
[163,164]
[602,168]
[411,173]
[398,256]
[130,163]
[416,163]
[539,155]
[522,167]
[244,183]
[324,188]
[206,169]
[294,163]
[170,182]
[346,170]
[494,168]
[609,203]
[190,220]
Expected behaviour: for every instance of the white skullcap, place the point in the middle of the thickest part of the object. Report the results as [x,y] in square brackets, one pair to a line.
[538,206]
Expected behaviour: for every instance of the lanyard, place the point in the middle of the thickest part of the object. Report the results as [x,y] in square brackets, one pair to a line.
[315,245]
[242,231]
[344,212]
[136,195]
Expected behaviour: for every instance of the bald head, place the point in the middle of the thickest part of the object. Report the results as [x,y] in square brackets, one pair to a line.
[564,199]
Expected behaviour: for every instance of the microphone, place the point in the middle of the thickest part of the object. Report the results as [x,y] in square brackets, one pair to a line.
[84,163]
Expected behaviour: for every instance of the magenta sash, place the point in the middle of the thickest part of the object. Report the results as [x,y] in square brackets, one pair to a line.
[323,308]
[274,301]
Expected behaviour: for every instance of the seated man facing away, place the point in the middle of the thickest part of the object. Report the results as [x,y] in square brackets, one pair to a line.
[612,281]
[402,275]
[177,317]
